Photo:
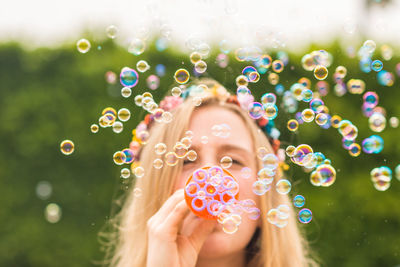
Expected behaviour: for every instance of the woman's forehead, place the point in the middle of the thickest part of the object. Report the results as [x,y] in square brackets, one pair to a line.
[219,126]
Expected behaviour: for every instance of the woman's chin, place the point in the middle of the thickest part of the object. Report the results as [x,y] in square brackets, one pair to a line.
[216,244]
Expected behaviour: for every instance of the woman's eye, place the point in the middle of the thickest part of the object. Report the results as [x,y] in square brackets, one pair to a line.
[234,161]
[185,162]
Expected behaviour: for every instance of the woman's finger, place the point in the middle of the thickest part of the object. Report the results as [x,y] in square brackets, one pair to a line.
[201,233]
[167,207]
[175,219]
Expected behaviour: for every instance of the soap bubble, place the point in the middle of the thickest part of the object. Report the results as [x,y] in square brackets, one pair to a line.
[200,66]
[320,72]
[283,186]
[158,163]
[129,77]
[52,213]
[305,215]
[112,31]
[117,127]
[67,147]
[181,76]
[226,162]
[83,46]
[125,173]
[137,46]
[126,92]
[119,157]
[44,190]
[299,201]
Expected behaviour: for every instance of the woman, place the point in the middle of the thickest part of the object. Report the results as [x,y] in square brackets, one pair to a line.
[158,229]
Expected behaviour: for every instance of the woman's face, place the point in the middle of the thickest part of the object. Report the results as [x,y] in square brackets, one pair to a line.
[239,146]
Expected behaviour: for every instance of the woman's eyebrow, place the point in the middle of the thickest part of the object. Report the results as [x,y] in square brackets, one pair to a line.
[232,147]
[226,147]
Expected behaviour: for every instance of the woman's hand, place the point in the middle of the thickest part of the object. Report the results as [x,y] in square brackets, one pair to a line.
[175,237]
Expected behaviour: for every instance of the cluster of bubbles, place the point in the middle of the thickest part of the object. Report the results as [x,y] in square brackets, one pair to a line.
[52,211]
[322,172]
[279,216]
[304,215]
[215,185]
[317,61]
[111,118]
[147,102]
[181,150]
[266,175]
[212,193]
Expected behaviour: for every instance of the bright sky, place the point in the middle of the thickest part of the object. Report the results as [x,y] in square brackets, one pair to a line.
[289,22]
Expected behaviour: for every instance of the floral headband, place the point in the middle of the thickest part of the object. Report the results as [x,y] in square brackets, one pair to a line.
[169,103]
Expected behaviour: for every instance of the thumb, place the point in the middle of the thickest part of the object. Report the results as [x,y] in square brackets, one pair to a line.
[199,236]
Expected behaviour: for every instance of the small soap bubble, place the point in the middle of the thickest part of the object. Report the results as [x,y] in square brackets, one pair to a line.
[320,72]
[376,65]
[158,163]
[290,150]
[119,157]
[160,148]
[167,117]
[142,66]
[283,186]
[126,92]
[129,77]
[83,46]
[137,192]
[394,122]
[52,213]
[124,114]
[180,150]
[181,76]
[292,125]
[321,119]
[260,188]
[191,155]
[117,127]
[307,115]
[369,46]
[94,128]
[229,226]
[112,31]
[171,159]
[43,190]
[299,201]
[125,173]
[226,162]
[245,172]
[195,57]
[204,139]
[200,66]
[354,150]
[67,147]
[305,215]
[256,110]
[341,71]
[137,46]
[139,172]
[176,91]
[222,60]
[277,66]
[272,216]
[153,82]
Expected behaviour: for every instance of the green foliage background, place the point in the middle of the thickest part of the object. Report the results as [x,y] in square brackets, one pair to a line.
[48,95]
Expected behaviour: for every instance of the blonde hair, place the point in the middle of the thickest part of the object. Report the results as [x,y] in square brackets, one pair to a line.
[127,245]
